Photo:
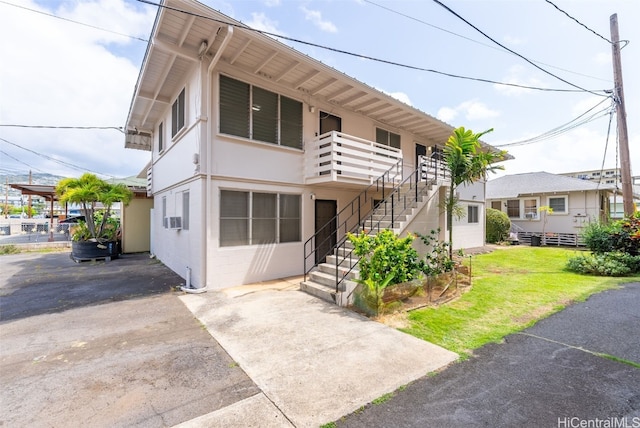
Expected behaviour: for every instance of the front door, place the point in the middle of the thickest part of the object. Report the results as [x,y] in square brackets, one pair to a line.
[325,224]
[328,123]
[420,151]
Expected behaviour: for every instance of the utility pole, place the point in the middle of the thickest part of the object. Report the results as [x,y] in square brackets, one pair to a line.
[30,208]
[621,113]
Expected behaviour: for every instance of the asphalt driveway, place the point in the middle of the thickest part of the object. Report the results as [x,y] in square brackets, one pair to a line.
[105,345]
[573,369]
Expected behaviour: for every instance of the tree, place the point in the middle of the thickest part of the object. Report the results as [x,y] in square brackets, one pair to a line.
[87,191]
[467,162]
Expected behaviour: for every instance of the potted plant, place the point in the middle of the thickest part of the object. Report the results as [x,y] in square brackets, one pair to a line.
[97,236]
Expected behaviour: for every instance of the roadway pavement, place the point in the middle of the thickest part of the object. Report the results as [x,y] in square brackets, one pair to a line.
[573,369]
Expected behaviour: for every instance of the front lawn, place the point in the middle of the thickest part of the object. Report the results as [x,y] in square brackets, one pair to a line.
[513,287]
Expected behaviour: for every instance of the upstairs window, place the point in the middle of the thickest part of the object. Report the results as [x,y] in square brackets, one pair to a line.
[258,114]
[387,138]
[161,137]
[177,114]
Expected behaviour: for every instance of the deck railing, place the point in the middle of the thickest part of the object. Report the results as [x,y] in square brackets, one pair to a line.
[336,156]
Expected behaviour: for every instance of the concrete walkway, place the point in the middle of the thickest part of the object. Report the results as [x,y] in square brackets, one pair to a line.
[313,361]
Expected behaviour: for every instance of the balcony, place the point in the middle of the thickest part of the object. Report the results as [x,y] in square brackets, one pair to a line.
[336,157]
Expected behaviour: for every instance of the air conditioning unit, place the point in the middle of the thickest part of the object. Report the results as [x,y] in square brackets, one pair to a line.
[175,222]
[531,215]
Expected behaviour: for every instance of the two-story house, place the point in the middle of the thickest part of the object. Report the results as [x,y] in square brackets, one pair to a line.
[258,151]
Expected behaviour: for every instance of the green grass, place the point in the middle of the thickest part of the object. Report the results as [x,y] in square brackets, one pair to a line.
[512,289]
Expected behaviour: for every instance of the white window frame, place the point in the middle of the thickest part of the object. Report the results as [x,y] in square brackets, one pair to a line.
[471,216]
[535,212]
[253,109]
[388,138]
[249,217]
[566,204]
[179,113]
[161,137]
[186,209]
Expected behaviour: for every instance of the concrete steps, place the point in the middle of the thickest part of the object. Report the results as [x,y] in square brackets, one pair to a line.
[321,282]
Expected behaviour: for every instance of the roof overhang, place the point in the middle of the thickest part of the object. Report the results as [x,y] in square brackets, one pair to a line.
[46,191]
[179,41]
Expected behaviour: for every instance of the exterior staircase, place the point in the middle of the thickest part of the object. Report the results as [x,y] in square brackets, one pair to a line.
[334,280]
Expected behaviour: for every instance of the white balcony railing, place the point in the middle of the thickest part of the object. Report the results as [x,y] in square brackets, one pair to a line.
[336,156]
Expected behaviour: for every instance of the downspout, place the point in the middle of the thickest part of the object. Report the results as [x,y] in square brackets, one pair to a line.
[206,209]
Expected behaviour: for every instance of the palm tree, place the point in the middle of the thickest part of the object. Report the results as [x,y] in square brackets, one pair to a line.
[467,163]
[87,191]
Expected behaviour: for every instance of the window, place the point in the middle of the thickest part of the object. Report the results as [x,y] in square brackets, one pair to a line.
[253,218]
[513,208]
[251,112]
[165,220]
[387,138]
[531,208]
[472,213]
[185,210]
[177,114]
[290,215]
[558,204]
[161,137]
[496,205]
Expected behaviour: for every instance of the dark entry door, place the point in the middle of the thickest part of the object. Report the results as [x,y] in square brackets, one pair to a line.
[325,228]
[420,151]
[329,122]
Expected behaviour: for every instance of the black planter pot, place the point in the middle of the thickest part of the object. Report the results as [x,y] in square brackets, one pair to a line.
[87,250]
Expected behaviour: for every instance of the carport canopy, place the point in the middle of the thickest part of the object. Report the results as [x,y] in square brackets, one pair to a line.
[44,190]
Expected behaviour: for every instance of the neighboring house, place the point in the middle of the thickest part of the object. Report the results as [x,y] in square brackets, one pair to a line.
[575,203]
[257,147]
[613,178]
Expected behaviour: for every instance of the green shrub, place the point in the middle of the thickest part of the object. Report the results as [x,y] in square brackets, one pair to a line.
[437,261]
[498,226]
[385,257]
[598,237]
[9,249]
[605,264]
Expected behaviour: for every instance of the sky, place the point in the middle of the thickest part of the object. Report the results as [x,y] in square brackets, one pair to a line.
[74,64]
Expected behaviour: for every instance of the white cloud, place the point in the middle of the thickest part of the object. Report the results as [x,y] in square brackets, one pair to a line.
[272,3]
[476,110]
[261,22]
[516,76]
[471,109]
[63,75]
[446,114]
[513,41]
[400,96]
[315,16]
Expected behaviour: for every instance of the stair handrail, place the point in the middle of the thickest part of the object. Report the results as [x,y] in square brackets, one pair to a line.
[381,183]
[421,173]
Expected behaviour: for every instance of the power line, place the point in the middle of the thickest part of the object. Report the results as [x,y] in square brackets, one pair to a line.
[579,23]
[561,129]
[19,161]
[511,50]
[75,22]
[117,128]
[606,144]
[413,18]
[67,164]
[411,67]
